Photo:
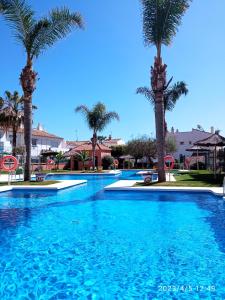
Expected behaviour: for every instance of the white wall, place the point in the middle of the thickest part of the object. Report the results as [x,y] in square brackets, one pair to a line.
[185,140]
[42,143]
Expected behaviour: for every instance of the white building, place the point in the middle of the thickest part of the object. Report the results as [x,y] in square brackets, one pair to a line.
[186,139]
[41,141]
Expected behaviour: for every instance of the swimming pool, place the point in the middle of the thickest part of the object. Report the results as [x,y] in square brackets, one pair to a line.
[128,174]
[84,243]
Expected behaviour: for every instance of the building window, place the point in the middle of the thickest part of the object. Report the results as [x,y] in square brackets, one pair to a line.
[10,138]
[34,142]
[181,143]
[54,144]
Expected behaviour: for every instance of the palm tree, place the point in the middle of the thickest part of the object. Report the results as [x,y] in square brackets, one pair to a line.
[171,96]
[11,114]
[83,157]
[161,19]
[58,158]
[97,119]
[35,37]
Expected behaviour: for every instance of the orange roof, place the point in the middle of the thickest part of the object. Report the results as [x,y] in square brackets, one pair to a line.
[76,143]
[87,146]
[41,133]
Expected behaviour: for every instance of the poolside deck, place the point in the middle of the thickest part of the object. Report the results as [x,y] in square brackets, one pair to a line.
[128,185]
[63,184]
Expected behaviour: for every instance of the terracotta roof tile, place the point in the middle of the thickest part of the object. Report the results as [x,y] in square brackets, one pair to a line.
[87,146]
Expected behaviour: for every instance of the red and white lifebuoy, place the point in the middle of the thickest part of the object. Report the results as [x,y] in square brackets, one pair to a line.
[169,159]
[50,162]
[9,166]
[116,163]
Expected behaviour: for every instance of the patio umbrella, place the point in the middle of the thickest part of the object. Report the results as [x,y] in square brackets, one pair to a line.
[124,157]
[198,149]
[215,140]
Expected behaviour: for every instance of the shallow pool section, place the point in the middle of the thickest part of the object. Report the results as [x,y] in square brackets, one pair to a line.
[84,243]
[128,174]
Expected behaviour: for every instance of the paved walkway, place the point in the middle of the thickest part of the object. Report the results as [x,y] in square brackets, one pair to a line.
[128,185]
[63,184]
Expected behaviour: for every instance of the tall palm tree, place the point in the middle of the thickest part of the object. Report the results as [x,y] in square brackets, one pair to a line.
[97,119]
[171,96]
[35,37]
[161,19]
[12,115]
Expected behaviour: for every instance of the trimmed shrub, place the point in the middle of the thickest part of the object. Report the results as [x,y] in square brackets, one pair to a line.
[107,162]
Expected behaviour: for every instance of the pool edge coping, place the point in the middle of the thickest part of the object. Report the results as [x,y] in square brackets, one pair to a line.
[128,186]
[62,184]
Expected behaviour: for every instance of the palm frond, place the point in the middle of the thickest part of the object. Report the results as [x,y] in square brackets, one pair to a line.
[173,94]
[20,17]
[161,19]
[56,26]
[82,108]
[147,93]
[97,118]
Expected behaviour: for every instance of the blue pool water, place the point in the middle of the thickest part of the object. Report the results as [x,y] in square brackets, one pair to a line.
[84,243]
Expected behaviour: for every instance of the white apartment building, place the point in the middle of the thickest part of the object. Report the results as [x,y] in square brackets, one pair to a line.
[41,141]
[186,139]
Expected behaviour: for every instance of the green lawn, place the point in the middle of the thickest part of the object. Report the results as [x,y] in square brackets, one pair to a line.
[193,179]
[30,183]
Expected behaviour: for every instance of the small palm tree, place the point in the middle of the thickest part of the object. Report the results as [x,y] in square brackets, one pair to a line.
[97,119]
[12,115]
[83,157]
[171,96]
[58,158]
[35,36]
[161,19]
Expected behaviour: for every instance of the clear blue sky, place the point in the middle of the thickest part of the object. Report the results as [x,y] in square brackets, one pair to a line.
[108,61]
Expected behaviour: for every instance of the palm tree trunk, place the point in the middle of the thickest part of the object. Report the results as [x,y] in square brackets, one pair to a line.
[14,141]
[28,81]
[94,142]
[158,82]
[160,135]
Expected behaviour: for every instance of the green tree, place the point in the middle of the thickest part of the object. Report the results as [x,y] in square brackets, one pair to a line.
[118,151]
[171,145]
[97,119]
[35,36]
[135,149]
[149,148]
[161,19]
[83,156]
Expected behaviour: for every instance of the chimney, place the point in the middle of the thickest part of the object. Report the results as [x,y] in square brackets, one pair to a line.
[172,130]
[110,137]
[212,130]
[177,131]
[40,127]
